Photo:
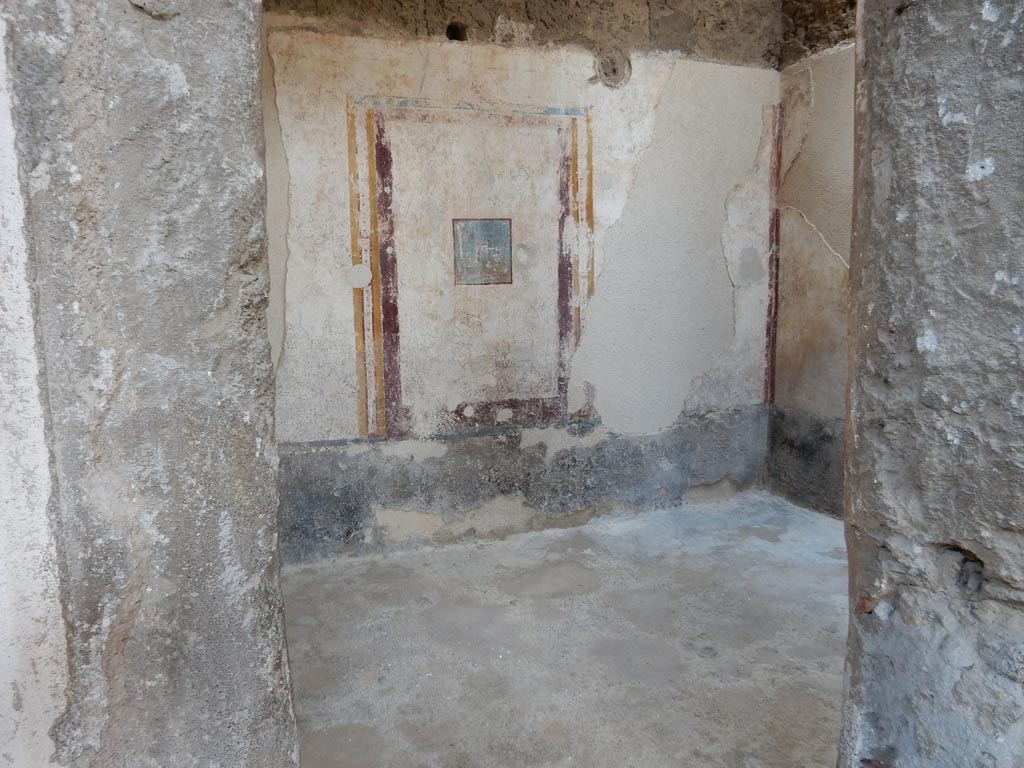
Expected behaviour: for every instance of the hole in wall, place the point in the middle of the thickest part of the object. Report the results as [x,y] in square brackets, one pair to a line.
[456,31]
[613,68]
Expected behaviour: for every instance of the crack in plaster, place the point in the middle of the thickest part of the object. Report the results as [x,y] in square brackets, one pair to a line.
[816,231]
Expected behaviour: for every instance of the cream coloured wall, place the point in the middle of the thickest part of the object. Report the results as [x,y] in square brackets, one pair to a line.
[816,208]
[671,314]
[33,666]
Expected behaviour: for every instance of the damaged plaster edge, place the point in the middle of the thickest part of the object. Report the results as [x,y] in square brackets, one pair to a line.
[816,231]
[603,229]
[810,58]
[34,672]
[277,148]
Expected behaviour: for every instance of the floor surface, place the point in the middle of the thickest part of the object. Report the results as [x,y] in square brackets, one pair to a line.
[703,636]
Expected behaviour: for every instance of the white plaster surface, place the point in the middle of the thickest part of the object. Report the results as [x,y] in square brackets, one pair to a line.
[816,208]
[677,319]
[33,667]
[472,343]
[669,327]
[818,153]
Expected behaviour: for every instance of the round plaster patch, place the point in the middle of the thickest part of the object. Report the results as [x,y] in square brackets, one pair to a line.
[359,276]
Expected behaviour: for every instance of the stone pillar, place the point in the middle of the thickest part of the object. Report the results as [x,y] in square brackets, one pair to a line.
[935,449]
[140,149]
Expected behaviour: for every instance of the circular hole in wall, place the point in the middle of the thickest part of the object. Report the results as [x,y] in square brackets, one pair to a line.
[456,31]
[613,68]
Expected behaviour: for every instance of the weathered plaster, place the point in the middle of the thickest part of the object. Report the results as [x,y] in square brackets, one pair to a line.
[678,286]
[815,202]
[935,458]
[728,31]
[138,127]
[366,496]
[677,322]
[33,667]
[684,297]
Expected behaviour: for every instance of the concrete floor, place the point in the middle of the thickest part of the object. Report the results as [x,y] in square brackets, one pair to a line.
[704,636]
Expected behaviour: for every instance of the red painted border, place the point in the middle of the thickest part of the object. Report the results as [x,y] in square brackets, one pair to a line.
[397,417]
[771,329]
[530,411]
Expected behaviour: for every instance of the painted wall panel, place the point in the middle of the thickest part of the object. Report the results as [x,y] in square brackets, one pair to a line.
[656,196]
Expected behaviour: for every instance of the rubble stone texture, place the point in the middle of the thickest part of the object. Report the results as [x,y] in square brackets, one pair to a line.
[735,31]
[140,147]
[809,26]
[935,457]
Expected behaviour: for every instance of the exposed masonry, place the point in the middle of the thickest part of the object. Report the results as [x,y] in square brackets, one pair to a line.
[732,31]
[773,33]
[810,26]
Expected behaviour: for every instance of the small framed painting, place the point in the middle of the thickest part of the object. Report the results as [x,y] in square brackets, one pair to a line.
[483,251]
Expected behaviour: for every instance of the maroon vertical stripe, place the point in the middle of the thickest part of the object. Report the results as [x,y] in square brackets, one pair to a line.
[564,280]
[771,331]
[396,419]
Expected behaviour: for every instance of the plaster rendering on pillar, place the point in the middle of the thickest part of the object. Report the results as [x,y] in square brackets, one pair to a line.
[420,384]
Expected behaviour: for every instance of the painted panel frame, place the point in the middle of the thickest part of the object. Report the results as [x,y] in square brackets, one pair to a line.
[385,413]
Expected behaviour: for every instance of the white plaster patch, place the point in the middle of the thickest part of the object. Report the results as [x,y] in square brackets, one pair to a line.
[662,331]
[33,667]
[927,341]
[360,275]
[1001,277]
[981,169]
[947,115]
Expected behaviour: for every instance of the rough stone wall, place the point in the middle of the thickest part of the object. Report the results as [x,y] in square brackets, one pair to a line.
[809,26]
[935,450]
[733,31]
[815,210]
[139,139]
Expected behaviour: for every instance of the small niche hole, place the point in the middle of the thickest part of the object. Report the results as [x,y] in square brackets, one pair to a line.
[456,31]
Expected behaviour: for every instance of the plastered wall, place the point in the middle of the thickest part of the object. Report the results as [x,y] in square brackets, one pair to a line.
[815,211]
[640,256]
[33,667]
